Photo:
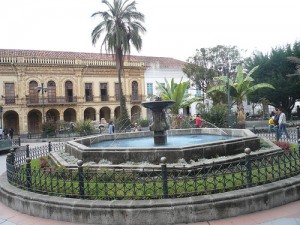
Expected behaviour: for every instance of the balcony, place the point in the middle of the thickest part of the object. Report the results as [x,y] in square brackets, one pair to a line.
[136,98]
[9,99]
[59,100]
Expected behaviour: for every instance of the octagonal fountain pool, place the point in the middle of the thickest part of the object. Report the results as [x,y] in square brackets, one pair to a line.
[189,144]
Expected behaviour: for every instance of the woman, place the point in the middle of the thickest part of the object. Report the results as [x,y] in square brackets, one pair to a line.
[198,121]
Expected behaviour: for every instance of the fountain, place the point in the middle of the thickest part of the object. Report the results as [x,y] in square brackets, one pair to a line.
[228,142]
[159,125]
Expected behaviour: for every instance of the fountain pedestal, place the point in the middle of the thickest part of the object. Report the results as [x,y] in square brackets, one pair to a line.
[159,125]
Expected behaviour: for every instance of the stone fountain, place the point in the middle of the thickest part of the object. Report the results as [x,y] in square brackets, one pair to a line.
[160,124]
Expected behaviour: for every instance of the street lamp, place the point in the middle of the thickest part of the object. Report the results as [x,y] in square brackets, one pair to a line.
[227,67]
[43,90]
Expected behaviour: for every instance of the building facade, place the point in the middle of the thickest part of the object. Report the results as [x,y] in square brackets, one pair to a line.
[50,86]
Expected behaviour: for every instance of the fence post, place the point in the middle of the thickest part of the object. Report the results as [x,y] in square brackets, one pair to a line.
[28,173]
[9,158]
[277,132]
[49,146]
[80,178]
[27,151]
[163,160]
[12,151]
[248,168]
[298,133]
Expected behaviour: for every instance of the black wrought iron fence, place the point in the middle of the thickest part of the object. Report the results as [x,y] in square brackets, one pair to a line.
[294,134]
[165,182]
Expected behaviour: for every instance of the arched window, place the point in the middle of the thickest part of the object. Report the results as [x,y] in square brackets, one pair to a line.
[69,91]
[135,93]
[51,88]
[33,93]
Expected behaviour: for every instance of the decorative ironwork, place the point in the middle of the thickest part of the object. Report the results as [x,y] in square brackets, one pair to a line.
[88,183]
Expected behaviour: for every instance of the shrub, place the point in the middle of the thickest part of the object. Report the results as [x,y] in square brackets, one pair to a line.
[217,115]
[44,163]
[283,145]
[84,127]
[144,123]
[49,128]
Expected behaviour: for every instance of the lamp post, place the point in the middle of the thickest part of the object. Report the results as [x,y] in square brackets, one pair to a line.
[227,67]
[43,90]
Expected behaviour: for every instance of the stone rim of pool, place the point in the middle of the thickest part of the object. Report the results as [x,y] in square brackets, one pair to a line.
[243,138]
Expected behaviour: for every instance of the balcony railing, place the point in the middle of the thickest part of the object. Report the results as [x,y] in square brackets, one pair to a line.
[136,98]
[10,99]
[58,100]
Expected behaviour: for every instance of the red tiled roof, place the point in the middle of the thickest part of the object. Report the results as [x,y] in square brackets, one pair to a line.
[164,62]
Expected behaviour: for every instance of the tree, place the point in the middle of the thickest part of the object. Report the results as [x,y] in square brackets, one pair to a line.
[122,25]
[239,90]
[177,93]
[274,68]
[201,68]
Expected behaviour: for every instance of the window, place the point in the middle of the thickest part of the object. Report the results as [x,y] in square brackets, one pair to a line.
[103,91]
[198,92]
[134,89]
[69,91]
[88,92]
[117,91]
[149,88]
[51,88]
[33,94]
[10,93]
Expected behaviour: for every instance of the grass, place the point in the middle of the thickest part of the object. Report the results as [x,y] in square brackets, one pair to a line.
[107,185]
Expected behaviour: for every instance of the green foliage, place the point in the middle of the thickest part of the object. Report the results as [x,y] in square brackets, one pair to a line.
[120,28]
[273,69]
[84,127]
[144,123]
[201,68]
[49,128]
[240,88]
[217,115]
[177,93]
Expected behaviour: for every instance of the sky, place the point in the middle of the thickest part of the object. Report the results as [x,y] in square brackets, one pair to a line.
[175,28]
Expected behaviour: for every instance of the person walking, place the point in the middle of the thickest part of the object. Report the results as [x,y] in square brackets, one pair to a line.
[271,124]
[282,124]
[111,127]
[198,121]
[11,133]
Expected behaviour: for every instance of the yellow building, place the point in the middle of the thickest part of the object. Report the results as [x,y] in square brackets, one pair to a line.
[55,86]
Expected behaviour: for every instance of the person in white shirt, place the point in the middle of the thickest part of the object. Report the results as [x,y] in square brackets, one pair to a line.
[282,124]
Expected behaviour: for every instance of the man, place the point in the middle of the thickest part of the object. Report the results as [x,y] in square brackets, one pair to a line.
[282,124]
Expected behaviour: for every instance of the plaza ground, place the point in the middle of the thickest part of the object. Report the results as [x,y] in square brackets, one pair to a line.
[288,214]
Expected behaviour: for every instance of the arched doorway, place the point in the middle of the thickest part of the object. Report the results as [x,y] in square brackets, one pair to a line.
[11,120]
[135,114]
[105,113]
[34,121]
[117,112]
[52,116]
[70,115]
[89,113]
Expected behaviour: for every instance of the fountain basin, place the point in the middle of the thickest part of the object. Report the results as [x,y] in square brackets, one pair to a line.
[241,139]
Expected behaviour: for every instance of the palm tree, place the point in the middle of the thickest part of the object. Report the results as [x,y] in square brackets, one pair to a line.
[239,90]
[121,26]
[177,93]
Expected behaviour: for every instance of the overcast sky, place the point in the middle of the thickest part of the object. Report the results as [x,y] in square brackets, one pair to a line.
[175,28]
